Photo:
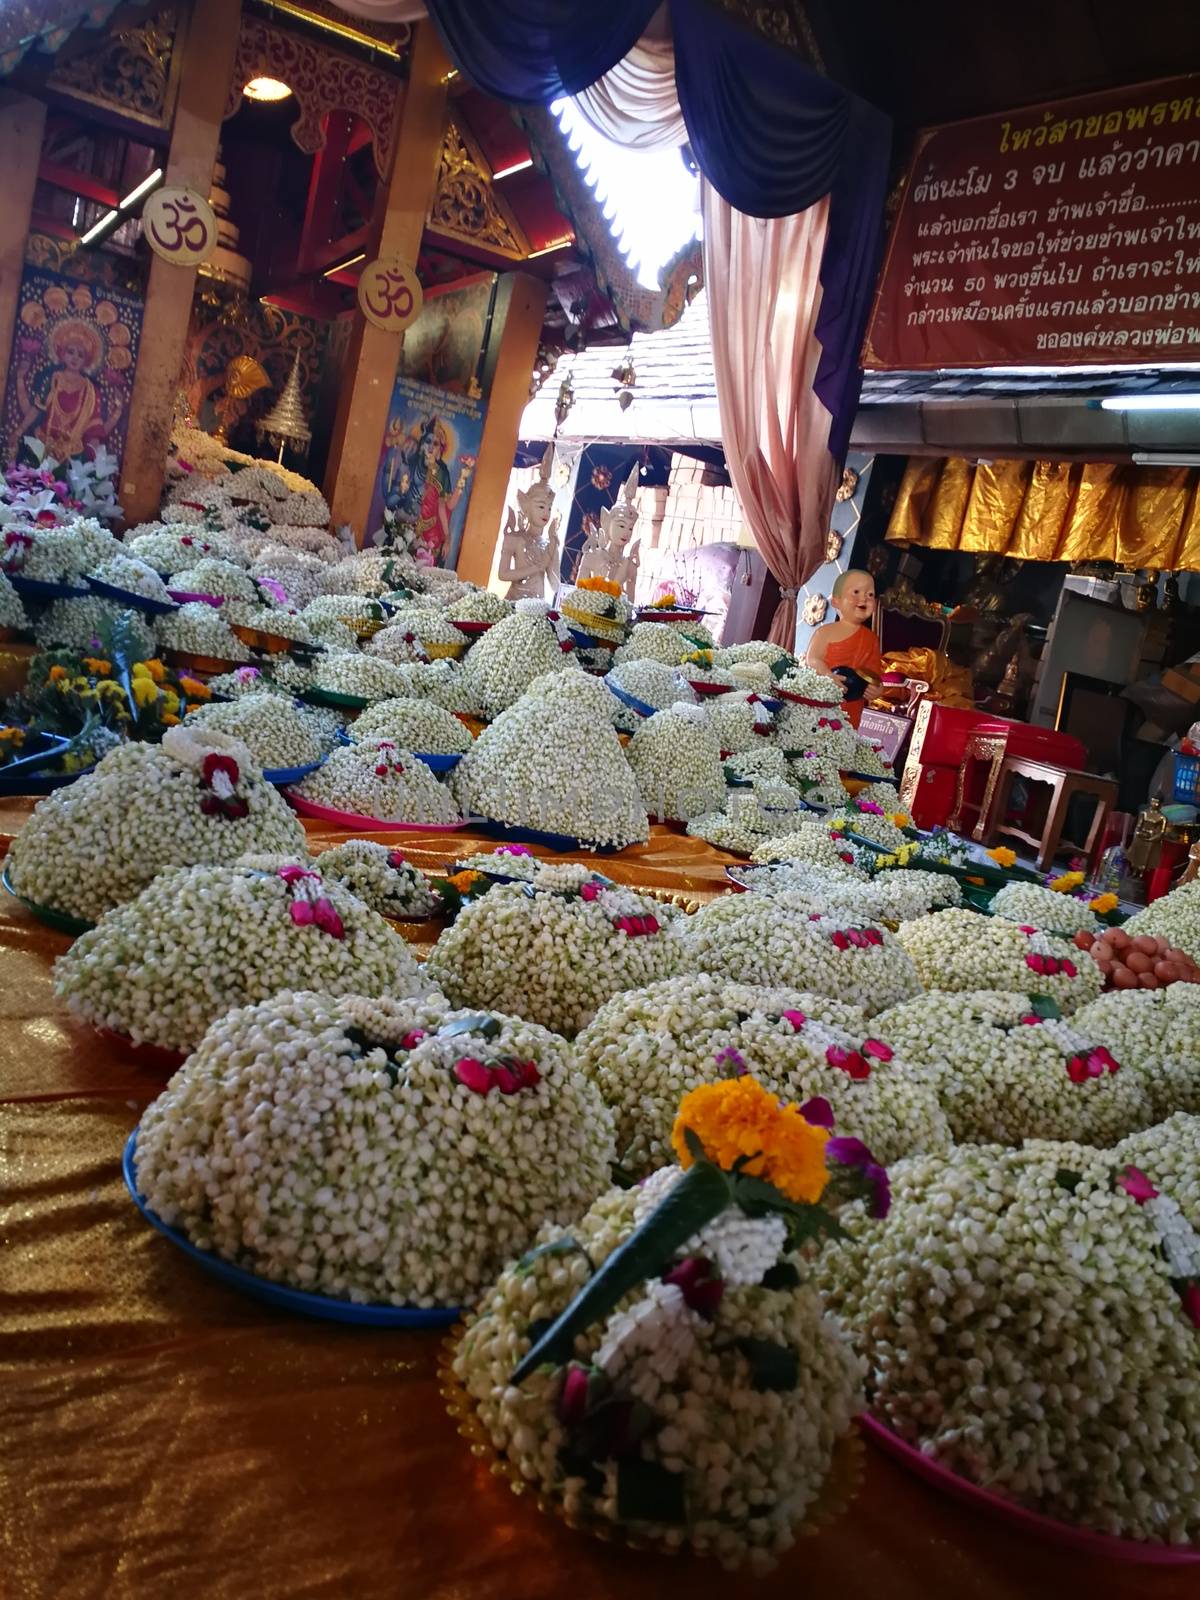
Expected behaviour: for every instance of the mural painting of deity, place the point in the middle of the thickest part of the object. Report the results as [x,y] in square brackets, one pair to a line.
[74,355]
[428,458]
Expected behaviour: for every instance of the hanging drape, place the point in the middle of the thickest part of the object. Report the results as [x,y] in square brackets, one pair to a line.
[794,175]
[1052,511]
[766,275]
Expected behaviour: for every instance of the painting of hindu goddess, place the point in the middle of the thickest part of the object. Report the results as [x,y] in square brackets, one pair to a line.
[428,459]
[72,366]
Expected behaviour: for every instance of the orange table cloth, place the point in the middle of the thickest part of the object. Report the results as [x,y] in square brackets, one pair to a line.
[162,1435]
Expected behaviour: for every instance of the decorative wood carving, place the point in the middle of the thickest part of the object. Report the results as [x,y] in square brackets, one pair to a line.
[466,205]
[129,70]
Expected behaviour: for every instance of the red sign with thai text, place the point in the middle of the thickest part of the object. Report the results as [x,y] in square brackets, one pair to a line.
[1053,236]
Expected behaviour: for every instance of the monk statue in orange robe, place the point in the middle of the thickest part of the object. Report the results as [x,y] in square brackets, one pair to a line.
[849,648]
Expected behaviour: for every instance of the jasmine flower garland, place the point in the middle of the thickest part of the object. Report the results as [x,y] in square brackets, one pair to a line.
[556,948]
[739,721]
[378,778]
[174,548]
[760,650]
[702,1409]
[223,580]
[552,763]
[444,683]
[425,630]
[677,763]
[74,624]
[197,629]
[415,724]
[277,733]
[200,940]
[503,664]
[806,840]
[961,950]
[381,878]
[648,1047]
[1169,1154]
[818,686]
[1003,1073]
[414,1184]
[1044,908]
[138,577]
[12,609]
[101,840]
[1155,1033]
[818,778]
[480,605]
[654,641]
[748,938]
[348,672]
[892,896]
[1020,1326]
[652,682]
[300,576]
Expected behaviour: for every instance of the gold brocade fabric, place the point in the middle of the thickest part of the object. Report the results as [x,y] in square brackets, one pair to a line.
[949,685]
[1052,511]
[163,1436]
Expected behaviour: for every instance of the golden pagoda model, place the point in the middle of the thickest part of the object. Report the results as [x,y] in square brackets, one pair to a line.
[286,423]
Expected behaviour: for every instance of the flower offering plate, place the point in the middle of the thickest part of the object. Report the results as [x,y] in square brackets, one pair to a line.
[472,629]
[702,687]
[1022,1521]
[437,763]
[191,662]
[350,819]
[60,921]
[551,841]
[326,1307]
[340,702]
[45,588]
[284,775]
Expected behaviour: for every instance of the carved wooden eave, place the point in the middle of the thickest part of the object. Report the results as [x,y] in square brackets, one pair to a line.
[637,308]
[467,205]
[130,70]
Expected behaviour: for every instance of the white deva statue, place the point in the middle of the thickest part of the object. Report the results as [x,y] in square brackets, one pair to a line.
[611,551]
[529,553]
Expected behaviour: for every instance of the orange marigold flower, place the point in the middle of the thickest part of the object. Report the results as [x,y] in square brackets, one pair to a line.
[600,585]
[12,735]
[465,881]
[1003,856]
[1103,903]
[170,719]
[97,666]
[193,688]
[59,674]
[1066,882]
[740,1118]
[155,668]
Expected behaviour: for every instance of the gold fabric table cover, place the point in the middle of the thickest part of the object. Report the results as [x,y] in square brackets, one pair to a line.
[161,1435]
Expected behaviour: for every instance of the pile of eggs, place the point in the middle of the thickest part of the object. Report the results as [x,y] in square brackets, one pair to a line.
[1140,963]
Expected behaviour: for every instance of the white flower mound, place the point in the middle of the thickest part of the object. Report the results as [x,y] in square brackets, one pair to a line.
[381,878]
[806,840]
[749,938]
[894,896]
[645,1049]
[654,641]
[277,733]
[817,778]
[400,1184]
[1169,1155]
[197,629]
[80,624]
[549,953]
[654,683]
[1175,918]
[1155,1032]
[12,609]
[819,686]
[677,764]
[415,724]
[441,682]
[414,634]
[201,940]
[739,722]
[223,580]
[1020,1327]
[553,763]
[956,949]
[503,664]
[137,577]
[480,605]
[348,672]
[1001,1076]
[752,1461]
[758,650]
[101,839]
[379,779]
[1043,908]
[880,830]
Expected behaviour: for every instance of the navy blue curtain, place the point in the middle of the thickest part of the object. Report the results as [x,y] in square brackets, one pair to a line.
[535,51]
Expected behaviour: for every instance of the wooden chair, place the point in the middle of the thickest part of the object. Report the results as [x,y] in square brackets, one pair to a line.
[1064,783]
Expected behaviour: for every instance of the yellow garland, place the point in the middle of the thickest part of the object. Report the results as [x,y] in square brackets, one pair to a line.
[600,586]
[741,1118]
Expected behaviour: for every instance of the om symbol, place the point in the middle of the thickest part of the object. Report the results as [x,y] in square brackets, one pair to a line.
[389,294]
[179,226]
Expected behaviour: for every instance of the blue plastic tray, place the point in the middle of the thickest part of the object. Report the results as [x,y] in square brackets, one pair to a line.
[437,763]
[44,589]
[634,704]
[136,602]
[552,841]
[282,775]
[277,1294]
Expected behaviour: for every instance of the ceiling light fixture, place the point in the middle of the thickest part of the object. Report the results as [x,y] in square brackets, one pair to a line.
[559,244]
[342,265]
[266,89]
[1151,402]
[517,166]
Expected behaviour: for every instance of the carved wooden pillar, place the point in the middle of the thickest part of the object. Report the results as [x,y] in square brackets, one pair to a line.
[373,356]
[208,54]
[21,124]
[520,305]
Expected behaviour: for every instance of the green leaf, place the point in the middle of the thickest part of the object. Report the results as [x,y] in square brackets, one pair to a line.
[694,1143]
[758,1198]
[566,1246]
[1043,1005]
[1068,1180]
[699,1197]
[781,668]
[773,1367]
[478,1022]
[647,1492]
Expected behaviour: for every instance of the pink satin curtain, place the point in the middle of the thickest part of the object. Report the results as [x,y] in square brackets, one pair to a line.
[765,278]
